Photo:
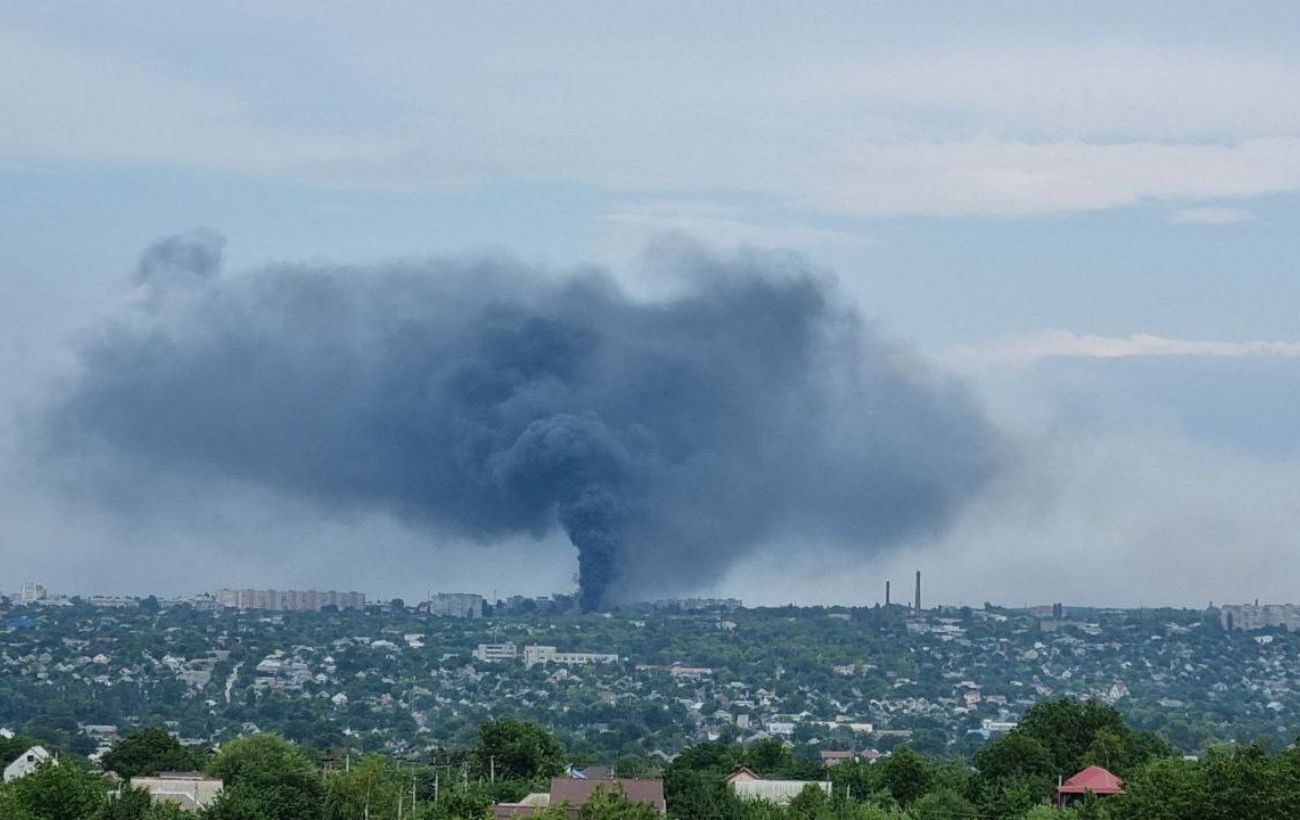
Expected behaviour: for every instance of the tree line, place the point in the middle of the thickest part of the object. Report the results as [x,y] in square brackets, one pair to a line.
[1014,776]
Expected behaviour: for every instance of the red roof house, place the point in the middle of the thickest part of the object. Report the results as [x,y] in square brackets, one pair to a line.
[1093,779]
[833,757]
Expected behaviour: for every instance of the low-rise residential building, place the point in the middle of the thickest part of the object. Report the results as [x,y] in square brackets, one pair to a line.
[27,763]
[834,757]
[573,792]
[190,791]
[749,786]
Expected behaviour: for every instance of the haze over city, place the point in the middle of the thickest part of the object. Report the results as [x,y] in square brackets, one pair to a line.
[307,298]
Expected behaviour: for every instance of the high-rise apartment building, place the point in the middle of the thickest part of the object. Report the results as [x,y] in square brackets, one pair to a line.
[456,605]
[289,600]
[1250,617]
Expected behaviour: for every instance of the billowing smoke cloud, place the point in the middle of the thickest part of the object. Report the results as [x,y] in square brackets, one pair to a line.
[185,260]
[668,438]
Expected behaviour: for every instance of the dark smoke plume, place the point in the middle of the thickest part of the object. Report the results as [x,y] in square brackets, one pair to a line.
[667,438]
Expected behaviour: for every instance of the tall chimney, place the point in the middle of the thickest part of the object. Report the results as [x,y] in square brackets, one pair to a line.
[918,593]
[886,593]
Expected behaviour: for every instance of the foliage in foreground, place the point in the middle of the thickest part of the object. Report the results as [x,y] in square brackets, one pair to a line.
[270,778]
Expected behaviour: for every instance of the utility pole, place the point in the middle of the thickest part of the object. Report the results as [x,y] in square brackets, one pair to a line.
[401,792]
[492,765]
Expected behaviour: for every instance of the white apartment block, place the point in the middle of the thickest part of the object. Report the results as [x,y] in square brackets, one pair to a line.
[549,654]
[456,605]
[1255,616]
[113,601]
[496,652]
[289,600]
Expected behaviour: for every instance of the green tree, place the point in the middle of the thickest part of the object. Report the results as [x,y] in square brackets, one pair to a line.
[58,791]
[129,804]
[942,804]
[517,749]
[694,785]
[1109,749]
[149,751]
[1143,747]
[811,802]
[137,804]
[1016,771]
[267,778]
[632,766]
[11,807]
[612,804]
[1008,798]
[855,780]
[1247,782]
[1067,727]
[369,788]
[1015,756]
[1164,789]
[769,757]
[473,803]
[906,774]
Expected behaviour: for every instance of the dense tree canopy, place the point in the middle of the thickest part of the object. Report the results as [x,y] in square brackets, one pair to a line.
[266,778]
[149,751]
[517,750]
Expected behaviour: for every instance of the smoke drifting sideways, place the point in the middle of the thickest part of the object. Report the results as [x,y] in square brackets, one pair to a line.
[668,438]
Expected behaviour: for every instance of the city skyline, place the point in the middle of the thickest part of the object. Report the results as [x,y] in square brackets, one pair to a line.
[1259,613]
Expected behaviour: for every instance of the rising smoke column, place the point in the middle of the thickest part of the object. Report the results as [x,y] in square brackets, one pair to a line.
[475,396]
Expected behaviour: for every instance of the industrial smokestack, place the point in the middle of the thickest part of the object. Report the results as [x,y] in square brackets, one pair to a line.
[886,593]
[918,593]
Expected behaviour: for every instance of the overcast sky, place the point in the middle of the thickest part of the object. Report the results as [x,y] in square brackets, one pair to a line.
[1087,211]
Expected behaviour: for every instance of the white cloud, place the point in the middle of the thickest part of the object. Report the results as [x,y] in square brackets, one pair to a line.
[724,230]
[1000,177]
[1212,216]
[66,102]
[1049,89]
[1031,348]
[1005,126]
